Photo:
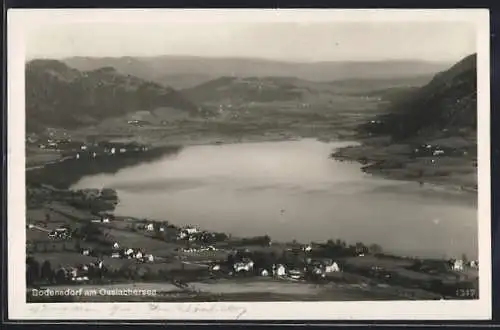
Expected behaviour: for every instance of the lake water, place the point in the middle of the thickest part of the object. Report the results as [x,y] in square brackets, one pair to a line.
[293,190]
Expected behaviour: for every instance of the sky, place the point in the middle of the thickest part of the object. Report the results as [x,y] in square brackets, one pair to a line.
[286,41]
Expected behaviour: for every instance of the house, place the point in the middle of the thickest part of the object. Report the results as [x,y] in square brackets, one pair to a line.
[80,278]
[332,268]
[438,152]
[115,255]
[85,252]
[295,274]
[215,267]
[116,245]
[98,264]
[190,230]
[474,264]
[73,272]
[138,255]
[264,272]
[129,253]
[150,227]
[149,258]
[307,248]
[244,265]
[123,150]
[458,265]
[279,270]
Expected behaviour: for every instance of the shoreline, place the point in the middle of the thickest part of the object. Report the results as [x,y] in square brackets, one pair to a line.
[161,150]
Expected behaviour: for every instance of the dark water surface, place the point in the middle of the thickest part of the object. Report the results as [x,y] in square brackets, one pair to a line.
[292,190]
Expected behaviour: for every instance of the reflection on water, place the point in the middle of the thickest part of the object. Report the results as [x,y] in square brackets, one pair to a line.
[242,188]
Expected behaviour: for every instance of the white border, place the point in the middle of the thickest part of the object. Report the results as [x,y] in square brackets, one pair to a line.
[18,20]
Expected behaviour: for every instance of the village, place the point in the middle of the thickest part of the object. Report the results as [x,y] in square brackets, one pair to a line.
[69,244]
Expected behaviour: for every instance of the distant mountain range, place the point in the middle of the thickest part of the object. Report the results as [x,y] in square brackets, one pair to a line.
[447,106]
[188,71]
[60,96]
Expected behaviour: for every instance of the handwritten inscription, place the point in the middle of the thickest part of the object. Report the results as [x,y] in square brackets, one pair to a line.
[163,310]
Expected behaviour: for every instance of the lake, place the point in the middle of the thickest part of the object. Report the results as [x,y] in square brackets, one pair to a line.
[293,190]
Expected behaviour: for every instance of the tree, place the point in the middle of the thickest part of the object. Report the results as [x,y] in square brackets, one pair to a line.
[375,248]
[360,248]
[32,270]
[60,276]
[46,271]
[91,231]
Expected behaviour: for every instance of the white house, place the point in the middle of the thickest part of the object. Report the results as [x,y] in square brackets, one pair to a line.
[86,252]
[149,258]
[80,279]
[138,255]
[99,264]
[438,152]
[333,268]
[244,265]
[129,252]
[458,265]
[191,230]
[215,267]
[116,245]
[307,248]
[295,274]
[122,150]
[264,272]
[115,255]
[150,227]
[241,266]
[105,219]
[279,270]
[113,151]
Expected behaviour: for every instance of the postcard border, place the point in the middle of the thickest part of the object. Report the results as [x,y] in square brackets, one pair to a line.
[394,310]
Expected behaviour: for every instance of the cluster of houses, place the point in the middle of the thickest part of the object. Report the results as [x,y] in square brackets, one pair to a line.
[189,233]
[129,253]
[62,233]
[313,268]
[81,273]
[79,149]
[459,265]
[429,150]
[200,249]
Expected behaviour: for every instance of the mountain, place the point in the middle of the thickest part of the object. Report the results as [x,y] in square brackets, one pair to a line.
[236,90]
[60,96]
[447,105]
[243,90]
[199,69]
